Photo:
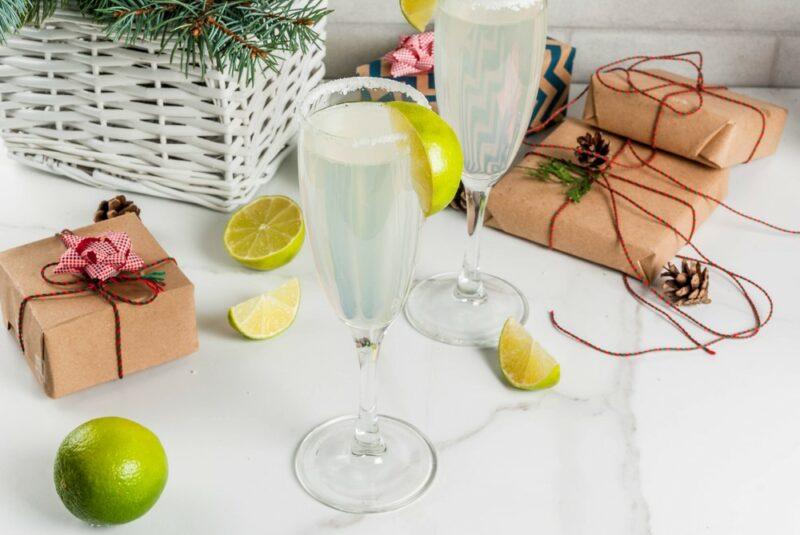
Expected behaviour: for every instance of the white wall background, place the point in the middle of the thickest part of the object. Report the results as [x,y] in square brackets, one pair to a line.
[745,42]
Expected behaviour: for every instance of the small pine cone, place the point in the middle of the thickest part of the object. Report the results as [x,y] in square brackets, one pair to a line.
[117,206]
[687,285]
[592,150]
[459,202]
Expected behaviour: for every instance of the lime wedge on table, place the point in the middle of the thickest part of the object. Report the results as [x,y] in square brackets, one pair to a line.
[265,234]
[418,13]
[436,155]
[524,362]
[267,315]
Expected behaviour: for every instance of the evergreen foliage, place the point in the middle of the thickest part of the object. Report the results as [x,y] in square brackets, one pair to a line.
[240,37]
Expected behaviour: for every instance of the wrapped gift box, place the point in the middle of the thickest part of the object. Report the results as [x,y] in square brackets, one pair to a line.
[553,89]
[720,131]
[524,206]
[70,341]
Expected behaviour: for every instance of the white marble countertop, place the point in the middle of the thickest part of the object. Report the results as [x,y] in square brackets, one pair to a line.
[665,444]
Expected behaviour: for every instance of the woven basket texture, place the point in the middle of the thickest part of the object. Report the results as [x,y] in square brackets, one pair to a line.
[124,117]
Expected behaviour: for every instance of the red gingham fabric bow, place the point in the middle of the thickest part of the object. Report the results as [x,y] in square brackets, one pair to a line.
[99,258]
[414,55]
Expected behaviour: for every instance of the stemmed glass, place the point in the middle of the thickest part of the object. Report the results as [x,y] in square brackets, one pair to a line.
[363,218]
[488,62]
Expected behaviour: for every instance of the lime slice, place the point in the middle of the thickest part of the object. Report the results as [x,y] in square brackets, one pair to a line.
[436,154]
[265,234]
[269,314]
[524,362]
[418,13]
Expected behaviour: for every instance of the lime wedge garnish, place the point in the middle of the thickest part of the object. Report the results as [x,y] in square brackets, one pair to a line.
[418,13]
[265,234]
[267,315]
[524,362]
[436,155]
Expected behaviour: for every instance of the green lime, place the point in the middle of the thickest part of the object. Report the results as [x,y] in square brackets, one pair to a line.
[436,152]
[524,362]
[110,471]
[265,234]
[418,13]
[267,315]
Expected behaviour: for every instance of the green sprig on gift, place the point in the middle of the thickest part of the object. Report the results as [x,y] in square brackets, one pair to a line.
[239,37]
[592,154]
[578,179]
[156,276]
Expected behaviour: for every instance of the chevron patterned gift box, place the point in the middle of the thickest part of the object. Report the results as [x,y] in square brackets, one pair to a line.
[553,89]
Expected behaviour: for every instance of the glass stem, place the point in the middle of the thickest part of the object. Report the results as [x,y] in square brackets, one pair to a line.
[367,439]
[469,286]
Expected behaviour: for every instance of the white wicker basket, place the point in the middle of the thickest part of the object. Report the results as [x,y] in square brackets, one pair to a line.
[78,104]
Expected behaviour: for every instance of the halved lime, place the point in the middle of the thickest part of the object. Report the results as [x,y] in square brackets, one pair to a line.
[418,13]
[436,155]
[525,363]
[265,234]
[267,315]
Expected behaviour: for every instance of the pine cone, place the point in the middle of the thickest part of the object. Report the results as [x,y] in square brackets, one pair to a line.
[688,285]
[117,206]
[590,149]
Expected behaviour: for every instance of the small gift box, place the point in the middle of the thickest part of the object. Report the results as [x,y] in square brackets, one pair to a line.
[96,304]
[542,210]
[553,88]
[711,125]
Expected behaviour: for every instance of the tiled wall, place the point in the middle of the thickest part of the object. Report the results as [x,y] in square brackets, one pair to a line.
[745,42]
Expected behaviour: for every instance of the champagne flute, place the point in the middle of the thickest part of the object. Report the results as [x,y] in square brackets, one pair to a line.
[363,219]
[488,62]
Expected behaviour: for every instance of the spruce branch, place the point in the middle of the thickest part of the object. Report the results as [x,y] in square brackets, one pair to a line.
[239,37]
[577,179]
[39,10]
[12,13]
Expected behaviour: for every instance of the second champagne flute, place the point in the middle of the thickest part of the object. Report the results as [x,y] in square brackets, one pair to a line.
[488,58]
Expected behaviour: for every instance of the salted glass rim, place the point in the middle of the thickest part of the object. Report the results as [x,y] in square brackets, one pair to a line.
[513,5]
[350,85]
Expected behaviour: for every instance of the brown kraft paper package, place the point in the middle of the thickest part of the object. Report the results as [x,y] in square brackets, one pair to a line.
[721,134]
[524,206]
[69,341]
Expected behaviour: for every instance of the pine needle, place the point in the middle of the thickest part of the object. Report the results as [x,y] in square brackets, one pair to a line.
[577,179]
[242,38]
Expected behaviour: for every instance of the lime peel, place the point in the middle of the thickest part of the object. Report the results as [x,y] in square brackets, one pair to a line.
[418,13]
[437,160]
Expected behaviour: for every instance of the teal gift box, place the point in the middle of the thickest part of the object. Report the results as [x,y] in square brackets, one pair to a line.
[553,89]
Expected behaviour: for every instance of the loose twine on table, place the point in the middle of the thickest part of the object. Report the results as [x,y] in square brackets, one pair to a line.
[603,179]
[152,281]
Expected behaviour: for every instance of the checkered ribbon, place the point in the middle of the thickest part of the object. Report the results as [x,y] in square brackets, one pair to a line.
[414,55]
[99,263]
[99,258]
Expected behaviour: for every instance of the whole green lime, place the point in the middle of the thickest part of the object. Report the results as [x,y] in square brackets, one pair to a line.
[110,471]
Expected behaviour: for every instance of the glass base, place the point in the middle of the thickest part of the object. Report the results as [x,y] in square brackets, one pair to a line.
[434,309]
[330,473]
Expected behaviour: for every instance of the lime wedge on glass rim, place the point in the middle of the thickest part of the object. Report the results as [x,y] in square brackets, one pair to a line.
[525,364]
[418,13]
[266,233]
[267,315]
[437,160]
